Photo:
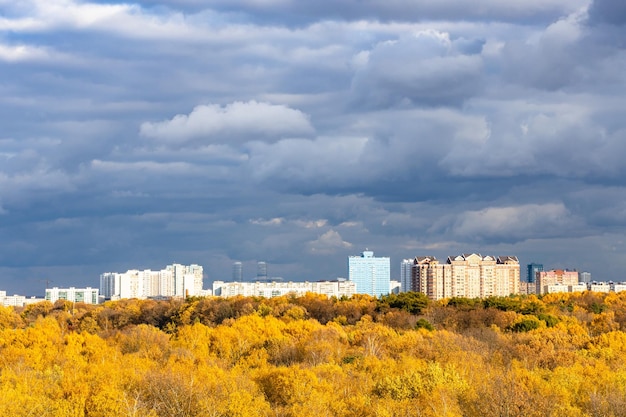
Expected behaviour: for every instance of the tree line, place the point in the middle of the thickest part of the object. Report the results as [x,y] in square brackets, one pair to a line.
[397,355]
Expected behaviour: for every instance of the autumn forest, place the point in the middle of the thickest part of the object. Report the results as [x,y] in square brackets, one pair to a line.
[398,355]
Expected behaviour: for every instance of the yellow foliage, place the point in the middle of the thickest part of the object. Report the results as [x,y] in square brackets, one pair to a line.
[268,359]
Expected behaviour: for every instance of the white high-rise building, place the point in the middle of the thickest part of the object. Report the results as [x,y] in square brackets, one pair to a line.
[110,283]
[132,286]
[178,271]
[166,283]
[370,274]
[173,281]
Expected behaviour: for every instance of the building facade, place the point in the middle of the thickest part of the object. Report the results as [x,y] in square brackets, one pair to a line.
[528,282]
[585,277]
[406,266]
[75,295]
[371,274]
[174,280]
[531,272]
[337,288]
[546,280]
[261,270]
[467,275]
[17,300]
[237,271]
[600,287]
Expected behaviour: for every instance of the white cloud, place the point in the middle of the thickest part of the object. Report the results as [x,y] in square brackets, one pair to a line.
[311,224]
[22,53]
[350,224]
[328,243]
[276,221]
[513,222]
[49,14]
[238,122]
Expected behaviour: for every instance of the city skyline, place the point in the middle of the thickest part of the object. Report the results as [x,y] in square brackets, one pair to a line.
[298,133]
[401,274]
[202,282]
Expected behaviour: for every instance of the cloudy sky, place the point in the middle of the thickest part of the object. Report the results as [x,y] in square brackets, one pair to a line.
[138,134]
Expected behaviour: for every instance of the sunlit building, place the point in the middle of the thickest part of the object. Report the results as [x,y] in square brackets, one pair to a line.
[467,275]
[371,274]
[546,279]
[599,287]
[174,280]
[266,289]
[17,300]
[75,295]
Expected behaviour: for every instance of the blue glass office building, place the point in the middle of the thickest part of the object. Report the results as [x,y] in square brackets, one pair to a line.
[532,272]
[371,274]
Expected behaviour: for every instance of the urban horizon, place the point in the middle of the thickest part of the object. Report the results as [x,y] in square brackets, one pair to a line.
[252,265]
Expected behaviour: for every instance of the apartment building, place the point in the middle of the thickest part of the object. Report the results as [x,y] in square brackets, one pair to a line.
[336,288]
[468,275]
[555,280]
[174,280]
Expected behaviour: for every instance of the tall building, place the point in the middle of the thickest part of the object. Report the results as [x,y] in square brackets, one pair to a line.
[187,279]
[585,277]
[531,272]
[261,270]
[528,282]
[430,277]
[556,280]
[237,272]
[372,275]
[467,275]
[406,267]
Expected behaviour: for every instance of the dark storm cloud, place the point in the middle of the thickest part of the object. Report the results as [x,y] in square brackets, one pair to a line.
[424,69]
[139,134]
[298,12]
[608,11]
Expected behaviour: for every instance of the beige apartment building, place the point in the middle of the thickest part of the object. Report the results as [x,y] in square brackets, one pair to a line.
[467,275]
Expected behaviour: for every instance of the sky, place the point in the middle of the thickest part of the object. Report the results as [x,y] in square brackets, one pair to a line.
[135,135]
